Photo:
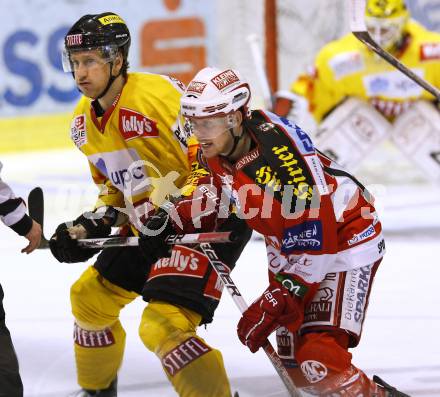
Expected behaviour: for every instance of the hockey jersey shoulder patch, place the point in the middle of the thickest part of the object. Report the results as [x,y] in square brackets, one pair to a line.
[133,124]
[78,130]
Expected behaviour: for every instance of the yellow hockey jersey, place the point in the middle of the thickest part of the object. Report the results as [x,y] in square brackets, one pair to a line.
[347,68]
[136,152]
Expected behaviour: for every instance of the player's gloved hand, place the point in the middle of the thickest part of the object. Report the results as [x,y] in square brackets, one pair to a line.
[63,244]
[275,307]
[153,234]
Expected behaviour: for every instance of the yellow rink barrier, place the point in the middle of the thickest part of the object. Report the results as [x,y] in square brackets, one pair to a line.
[19,134]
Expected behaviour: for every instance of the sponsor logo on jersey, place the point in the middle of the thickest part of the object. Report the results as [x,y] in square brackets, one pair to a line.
[184,354]
[366,233]
[298,264]
[285,343]
[74,39]
[268,179]
[320,309]
[306,236]
[224,79]
[183,262]
[301,188]
[393,85]
[430,52]
[306,146]
[318,173]
[356,292]
[346,63]
[122,177]
[301,139]
[78,131]
[85,338]
[273,248]
[124,169]
[265,127]
[314,371]
[248,158]
[134,125]
[196,86]
[100,164]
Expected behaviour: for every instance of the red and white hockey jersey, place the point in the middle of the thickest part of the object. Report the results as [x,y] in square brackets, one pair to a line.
[316,217]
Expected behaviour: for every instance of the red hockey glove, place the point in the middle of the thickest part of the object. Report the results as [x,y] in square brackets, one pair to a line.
[274,308]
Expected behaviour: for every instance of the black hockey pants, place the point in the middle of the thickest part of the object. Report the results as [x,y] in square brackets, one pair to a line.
[10,381]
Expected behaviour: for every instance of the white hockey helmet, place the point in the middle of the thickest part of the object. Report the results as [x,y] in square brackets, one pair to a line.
[215,92]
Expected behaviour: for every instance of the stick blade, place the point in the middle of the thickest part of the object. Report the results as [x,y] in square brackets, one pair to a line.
[36,211]
[36,205]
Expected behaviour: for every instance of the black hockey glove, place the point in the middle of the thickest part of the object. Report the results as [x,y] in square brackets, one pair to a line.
[151,242]
[65,249]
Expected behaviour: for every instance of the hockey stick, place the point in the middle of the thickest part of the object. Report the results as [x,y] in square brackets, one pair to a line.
[224,275]
[359,30]
[36,212]
[194,238]
[253,41]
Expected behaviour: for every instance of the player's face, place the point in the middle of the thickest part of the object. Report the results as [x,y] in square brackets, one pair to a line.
[386,31]
[91,72]
[213,134]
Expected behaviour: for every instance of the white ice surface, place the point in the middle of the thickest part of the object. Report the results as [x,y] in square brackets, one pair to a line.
[401,333]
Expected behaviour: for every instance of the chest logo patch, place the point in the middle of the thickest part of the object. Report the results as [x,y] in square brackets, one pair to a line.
[135,125]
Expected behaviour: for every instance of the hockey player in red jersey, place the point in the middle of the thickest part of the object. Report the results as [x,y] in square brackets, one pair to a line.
[323,236]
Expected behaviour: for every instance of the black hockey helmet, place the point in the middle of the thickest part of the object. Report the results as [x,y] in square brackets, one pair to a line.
[106,31]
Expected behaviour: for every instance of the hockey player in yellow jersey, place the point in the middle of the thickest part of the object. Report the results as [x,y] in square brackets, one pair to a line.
[351,88]
[126,124]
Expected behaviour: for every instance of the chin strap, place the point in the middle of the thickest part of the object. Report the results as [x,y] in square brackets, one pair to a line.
[109,83]
[236,141]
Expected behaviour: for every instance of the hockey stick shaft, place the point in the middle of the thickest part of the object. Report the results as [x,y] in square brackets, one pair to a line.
[224,275]
[194,238]
[260,70]
[36,212]
[359,30]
